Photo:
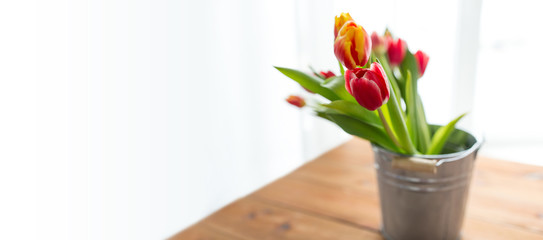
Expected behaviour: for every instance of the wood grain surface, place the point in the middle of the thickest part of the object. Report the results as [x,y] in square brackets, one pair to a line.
[335,197]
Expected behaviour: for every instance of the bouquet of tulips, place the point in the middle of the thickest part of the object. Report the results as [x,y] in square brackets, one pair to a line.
[366,100]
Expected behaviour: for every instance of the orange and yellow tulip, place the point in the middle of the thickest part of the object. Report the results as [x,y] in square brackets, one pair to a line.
[340,21]
[352,46]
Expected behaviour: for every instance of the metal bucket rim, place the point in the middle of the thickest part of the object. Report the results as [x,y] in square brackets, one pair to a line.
[442,158]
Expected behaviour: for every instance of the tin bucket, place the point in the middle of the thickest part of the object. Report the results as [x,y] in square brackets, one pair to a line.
[423,197]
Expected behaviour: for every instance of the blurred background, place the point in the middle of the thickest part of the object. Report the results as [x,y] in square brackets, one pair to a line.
[135,119]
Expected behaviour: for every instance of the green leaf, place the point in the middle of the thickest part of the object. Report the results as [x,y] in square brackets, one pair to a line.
[368,63]
[411,103]
[416,119]
[385,108]
[381,59]
[312,83]
[409,63]
[397,121]
[341,70]
[337,85]
[363,130]
[323,115]
[424,129]
[441,136]
[356,111]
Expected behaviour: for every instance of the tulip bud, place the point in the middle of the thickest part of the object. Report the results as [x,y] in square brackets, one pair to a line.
[369,86]
[422,61]
[396,51]
[378,43]
[352,46]
[327,74]
[388,34]
[340,21]
[296,101]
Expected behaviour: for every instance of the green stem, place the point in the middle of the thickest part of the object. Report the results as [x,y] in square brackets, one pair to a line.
[341,70]
[387,128]
[398,123]
[391,78]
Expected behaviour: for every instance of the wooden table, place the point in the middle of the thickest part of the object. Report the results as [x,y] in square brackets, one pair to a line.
[335,197]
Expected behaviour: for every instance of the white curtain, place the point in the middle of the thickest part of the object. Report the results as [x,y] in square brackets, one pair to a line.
[134,119]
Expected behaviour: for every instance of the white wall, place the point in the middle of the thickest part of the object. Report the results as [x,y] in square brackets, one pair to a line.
[134,119]
[509,82]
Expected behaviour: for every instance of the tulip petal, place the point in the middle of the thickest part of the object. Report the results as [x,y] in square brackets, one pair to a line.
[343,53]
[327,74]
[340,21]
[358,46]
[352,74]
[422,61]
[352,45]
[381,80]
[359,72]
[381,85]
[296,101]
[349,75]
[366,93]
[378,43]
[363,46]
[396,51]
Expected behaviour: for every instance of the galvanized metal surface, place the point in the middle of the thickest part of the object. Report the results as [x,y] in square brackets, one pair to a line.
[426,205]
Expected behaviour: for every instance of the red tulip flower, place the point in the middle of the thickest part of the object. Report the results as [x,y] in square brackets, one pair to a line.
[396,51]
[328,74]
[296,101]
[379,44]
[352,46]
[422,61]
[369,86]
